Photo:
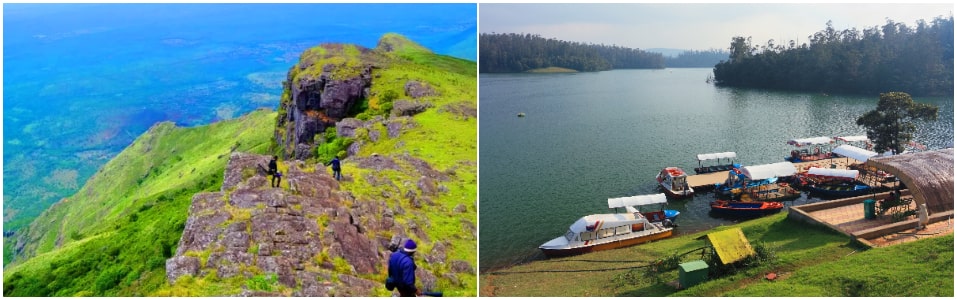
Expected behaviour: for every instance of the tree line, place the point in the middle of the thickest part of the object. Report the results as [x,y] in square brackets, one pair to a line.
[512,52]
[696,59]
[892,57]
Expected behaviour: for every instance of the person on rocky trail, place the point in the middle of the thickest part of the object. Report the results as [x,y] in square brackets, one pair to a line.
[277,178]
[273,170]
[273,167]
[336,168]
[402,270]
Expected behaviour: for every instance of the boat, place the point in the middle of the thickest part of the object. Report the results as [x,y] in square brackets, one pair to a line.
[834,183]
[834,191]
[761,182]
[745,209]
[609,231]
[674,181]
[780,191]
[719,167]
[859,139]
[805,154]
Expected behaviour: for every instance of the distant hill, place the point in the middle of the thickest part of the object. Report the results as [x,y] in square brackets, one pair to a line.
[512,53]
[666,52]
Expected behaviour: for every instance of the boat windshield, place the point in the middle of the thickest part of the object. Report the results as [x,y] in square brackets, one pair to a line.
[570,235]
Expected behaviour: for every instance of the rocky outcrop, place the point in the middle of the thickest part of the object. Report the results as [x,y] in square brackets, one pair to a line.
[249,229]
[316,94]
[300,235]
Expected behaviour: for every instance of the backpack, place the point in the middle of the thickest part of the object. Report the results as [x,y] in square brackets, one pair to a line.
[390,283]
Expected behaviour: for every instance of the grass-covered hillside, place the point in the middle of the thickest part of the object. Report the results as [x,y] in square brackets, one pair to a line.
[114,236]
[809,261]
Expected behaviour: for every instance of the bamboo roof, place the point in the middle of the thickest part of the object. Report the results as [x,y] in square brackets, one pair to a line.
[929,175]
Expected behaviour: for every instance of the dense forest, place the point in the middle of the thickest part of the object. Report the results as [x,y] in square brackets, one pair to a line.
[892,57]
[696,59]
[512,52]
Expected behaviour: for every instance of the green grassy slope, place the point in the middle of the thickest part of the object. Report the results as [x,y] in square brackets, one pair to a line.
[448,141]
[811,260]
[114,235]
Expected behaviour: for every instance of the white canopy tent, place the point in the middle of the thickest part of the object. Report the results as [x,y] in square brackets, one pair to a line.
[853,138]
[856,153]
[637,200]
[761,172]
[811,141]
[850,174]
[721,155]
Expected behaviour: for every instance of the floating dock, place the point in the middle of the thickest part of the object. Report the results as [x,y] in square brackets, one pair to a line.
[706,182]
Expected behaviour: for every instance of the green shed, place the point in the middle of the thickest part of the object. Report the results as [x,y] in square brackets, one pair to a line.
[692,273]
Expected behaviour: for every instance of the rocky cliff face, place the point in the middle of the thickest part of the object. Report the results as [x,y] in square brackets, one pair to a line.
[327,82]
[301,235]
[318,92]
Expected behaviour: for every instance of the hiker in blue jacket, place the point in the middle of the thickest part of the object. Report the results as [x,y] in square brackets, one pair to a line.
[402,270]
[336,168]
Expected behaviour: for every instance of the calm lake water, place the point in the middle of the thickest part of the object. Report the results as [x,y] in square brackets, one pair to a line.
[588,137]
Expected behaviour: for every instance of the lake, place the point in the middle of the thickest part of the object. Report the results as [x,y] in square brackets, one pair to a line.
[587,137]
[81,81]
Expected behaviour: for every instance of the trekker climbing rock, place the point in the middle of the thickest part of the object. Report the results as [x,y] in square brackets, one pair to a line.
[402,270]
[336,168]
[273,170]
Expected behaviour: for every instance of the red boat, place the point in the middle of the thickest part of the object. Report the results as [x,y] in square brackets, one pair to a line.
[745,209]
[674,181]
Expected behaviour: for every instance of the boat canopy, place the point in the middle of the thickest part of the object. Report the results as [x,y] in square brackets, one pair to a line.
[850,174]
[717,155]
[637,200]
[811,141]
[769,170]
[853,138]
[854,152]
[596,222]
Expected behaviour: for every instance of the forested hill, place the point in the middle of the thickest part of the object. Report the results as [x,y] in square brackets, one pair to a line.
[511,52]
[893,57]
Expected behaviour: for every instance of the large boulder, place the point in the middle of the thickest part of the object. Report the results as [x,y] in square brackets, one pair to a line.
[418,90]
[409,108]
[347,127]
[356,248]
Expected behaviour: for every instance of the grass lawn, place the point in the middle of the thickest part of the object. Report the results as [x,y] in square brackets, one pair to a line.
[810,260]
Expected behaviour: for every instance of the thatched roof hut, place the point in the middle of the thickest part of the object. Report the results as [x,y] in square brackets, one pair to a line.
[929,175]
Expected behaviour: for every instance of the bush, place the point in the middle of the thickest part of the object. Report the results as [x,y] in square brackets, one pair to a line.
[109,278]
[262,282]
[156,262]
[333,148]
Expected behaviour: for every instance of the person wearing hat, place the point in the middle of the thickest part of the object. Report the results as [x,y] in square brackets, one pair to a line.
[402,270]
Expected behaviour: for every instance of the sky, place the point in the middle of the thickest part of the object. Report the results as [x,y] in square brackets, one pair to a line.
[694,26]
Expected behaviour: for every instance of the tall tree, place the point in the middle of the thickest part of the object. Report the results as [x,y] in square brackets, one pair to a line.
[891,125]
